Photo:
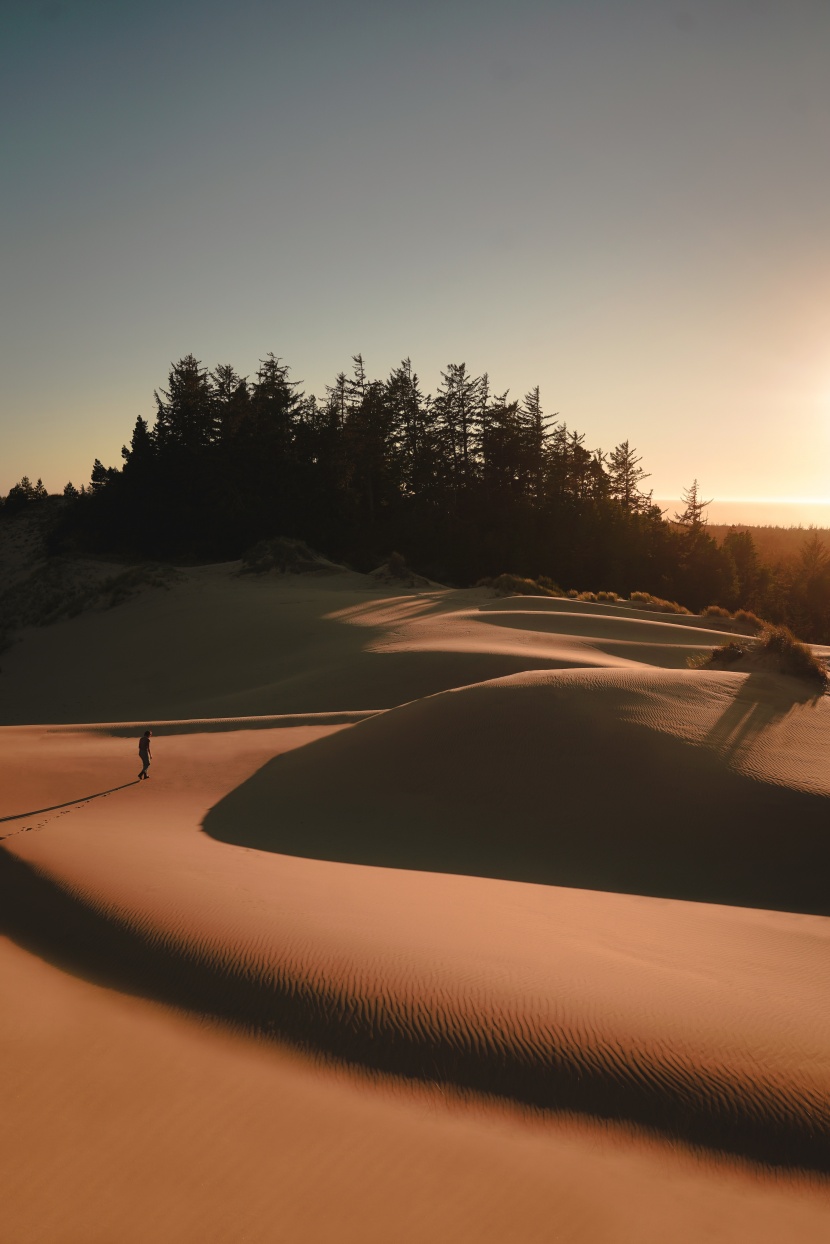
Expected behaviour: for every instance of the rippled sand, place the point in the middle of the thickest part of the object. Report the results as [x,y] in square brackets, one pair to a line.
[537,950]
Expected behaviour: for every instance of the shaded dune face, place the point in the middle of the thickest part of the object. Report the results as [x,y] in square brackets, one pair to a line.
[664,784]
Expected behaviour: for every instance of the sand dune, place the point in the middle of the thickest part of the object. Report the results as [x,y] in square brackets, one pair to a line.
[670,784]
[129,1123]
[343,953]
[299,644]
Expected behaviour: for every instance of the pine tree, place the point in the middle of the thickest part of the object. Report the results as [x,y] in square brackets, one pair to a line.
[185,410]
[100,475]
[416,441]
[142,446]
[368,443]
[625,475]
[357,383]
[741,548]
[579,467]
[337,399]
[274,403]
[537,432]
[231,399]
[461,404]
[692,515]
[504,449]
[21,495]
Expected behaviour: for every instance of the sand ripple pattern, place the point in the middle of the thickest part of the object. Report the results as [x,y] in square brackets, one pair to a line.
[373,896]
[435,1027]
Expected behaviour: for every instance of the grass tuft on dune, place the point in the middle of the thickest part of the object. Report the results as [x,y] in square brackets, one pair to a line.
[776,650]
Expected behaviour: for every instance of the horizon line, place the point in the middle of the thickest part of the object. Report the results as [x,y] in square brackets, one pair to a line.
[761,500]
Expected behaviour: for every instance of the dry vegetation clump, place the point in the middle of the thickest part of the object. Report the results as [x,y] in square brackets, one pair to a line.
[395,570]
[746,620]
[776,650]
[62,588]
[53,590]
[515,585]
[645,600]
[552,586]
[727,654]
[779,646]
[284,555]
[741,620]
[593,598]
[121,587]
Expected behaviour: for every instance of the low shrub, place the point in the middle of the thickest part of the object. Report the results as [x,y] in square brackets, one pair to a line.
[776,650]
[128,583]
[608,598]
[727,654]
[645,600]
[779,646]
[745,620]
[742,620]
[282,554]
[515,585]
[395,570]
[61,588]
[590,597]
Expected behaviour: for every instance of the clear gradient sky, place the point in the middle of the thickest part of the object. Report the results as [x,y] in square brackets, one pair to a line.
[624,201]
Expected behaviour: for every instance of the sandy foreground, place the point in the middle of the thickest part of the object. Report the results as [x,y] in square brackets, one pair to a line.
[441,917]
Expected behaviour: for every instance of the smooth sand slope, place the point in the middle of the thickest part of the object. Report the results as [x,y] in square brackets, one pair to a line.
[219,644]
[305,983]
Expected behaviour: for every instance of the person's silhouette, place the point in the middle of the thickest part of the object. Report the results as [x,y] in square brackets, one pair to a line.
[144,753]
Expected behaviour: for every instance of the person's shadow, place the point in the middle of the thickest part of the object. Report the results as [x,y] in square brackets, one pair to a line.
[21,816]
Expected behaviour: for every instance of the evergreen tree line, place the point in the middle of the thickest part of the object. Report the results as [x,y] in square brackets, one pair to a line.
[464,483]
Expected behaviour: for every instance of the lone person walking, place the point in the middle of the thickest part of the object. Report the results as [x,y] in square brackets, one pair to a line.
[144,753]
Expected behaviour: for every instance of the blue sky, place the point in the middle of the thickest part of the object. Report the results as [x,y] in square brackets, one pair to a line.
[625,202]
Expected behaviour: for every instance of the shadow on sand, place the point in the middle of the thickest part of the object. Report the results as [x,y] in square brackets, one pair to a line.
[70,803]
[695,1105]
[758,705]
[516,787]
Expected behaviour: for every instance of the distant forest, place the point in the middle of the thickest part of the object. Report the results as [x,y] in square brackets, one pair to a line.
[463,483]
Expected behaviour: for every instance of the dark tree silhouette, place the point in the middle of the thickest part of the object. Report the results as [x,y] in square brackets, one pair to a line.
[625,476]
[465,483]
[693,513]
